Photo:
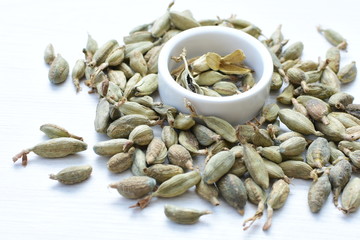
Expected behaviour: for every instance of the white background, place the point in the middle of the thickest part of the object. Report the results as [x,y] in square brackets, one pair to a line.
[34,207]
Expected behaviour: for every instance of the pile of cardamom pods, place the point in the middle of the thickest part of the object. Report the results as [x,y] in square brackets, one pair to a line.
[250,162]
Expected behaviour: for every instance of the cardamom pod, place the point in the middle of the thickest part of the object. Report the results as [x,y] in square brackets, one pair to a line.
[350,198]
[78,72]
[180,156]
[204,135]
[183,215]
[276,199]
[156,151]
[139,163]
[271,153]
[141,135]
[112,147]
[162,172]
[72,175]
[59,70]
[134,187]
[319,192]
[102,116]
[217,166]
[169,136]
[188,140]
[293,146]
[333,56]
[333,37]
[208,192]
[339,176]
[318,153]
[233,190]
[55,131]
[121,162]
[296,169]
[347,73]
[49,54]
[53,148]
[103,52]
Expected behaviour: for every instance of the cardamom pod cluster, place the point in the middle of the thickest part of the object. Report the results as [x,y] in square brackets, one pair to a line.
[310,132]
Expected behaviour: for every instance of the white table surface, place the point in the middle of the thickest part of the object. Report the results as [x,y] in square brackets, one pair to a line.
[34,207]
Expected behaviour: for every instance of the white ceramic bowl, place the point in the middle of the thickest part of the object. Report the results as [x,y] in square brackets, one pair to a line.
[235,109]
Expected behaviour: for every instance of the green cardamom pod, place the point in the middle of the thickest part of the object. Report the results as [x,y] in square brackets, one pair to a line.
[72,175]
[59,70]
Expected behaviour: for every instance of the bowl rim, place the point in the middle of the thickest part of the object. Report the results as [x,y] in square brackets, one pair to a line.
[163,69]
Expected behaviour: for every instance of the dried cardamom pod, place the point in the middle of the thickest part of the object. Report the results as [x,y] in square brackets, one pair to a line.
[319,192]
[121,162]
[318,110]
[353,146]
[335,130]
[346,119]
[247,131]
[134,187]
[180,156]
[138,63]
[147,101]
[256,195]
[333,37]
[169,136]
[238,168]
[208,192]
[188,140]
[292,52]
[55,131]
[125,68]
[226,88]
[286,95]
[296,169]
[182,122]
[141,135]
[276,81]
[173,187]
[53,148]
[122,127]
[147,85]
[109,90]
[183,215]
[340,100]
[275,171]
[183,21]
[129,108]
[350,198]
[102,116]
[169,34]
[335,154]
[354,156]
[252,30]
[90,49]
[339,176]
[254,164]
[103,52]
[318,153]
[274,129]
[287,135]
[138,36]
[209,78]
[204,135]
[347,73]
[307,65]
[162,24]
[353,109]
[139,163]
[330,79]
[318,90]
[59,70]
[296,75]
[333,56]
[269,113]
[152,57]
[78,72]
[289,64]
[111,147]
[220,126]
[298,107]
[276,199]
[217,166]
[271,153]
[297,122]
[156,151]
[141,47]
[162,172]
[72,175]
[233,190]
[49,54]
[115,58]
[261,138]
